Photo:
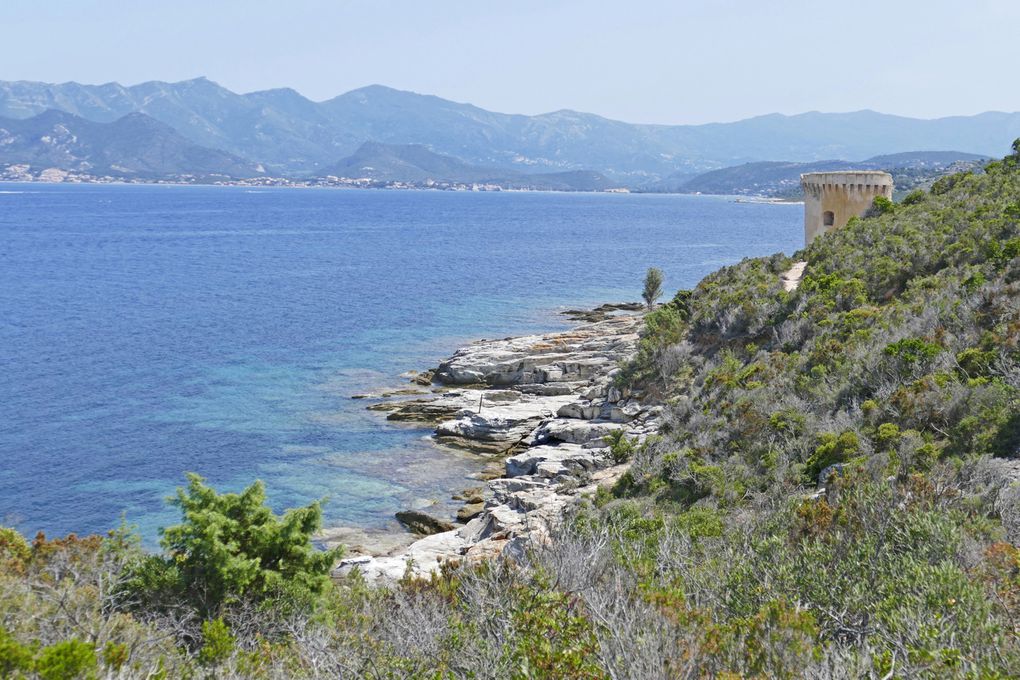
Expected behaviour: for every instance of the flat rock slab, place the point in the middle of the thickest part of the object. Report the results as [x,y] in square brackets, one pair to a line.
[588,433]
[503,421]
[577,354]
[556,460]
[423,557]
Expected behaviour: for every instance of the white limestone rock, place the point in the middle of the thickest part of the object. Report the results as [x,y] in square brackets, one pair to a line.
[571,457]
[502,421]
[583,352]
[571,431]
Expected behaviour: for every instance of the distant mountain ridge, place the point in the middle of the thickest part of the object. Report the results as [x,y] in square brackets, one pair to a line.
[134,145]
[293,136]
[782,178]
[415,164]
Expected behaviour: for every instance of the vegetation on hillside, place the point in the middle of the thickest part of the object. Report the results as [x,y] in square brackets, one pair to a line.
[834,494]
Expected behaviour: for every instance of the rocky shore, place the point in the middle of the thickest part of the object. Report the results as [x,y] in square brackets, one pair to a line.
[543,409]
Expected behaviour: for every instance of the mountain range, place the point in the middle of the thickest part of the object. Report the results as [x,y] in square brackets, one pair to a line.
[135,145]
[782,178]
[415,164]
[289,135]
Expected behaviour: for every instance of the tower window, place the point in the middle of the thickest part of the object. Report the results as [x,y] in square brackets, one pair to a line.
[828,218]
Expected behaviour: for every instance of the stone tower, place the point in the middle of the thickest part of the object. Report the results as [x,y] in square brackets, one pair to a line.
[832,198]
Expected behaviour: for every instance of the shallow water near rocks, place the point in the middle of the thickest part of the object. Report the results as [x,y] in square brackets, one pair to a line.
[146,331]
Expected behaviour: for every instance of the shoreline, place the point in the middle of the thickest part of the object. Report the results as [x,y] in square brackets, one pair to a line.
[541,411]
[286,183]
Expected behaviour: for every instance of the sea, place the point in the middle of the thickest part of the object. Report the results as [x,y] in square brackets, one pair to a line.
[148,331]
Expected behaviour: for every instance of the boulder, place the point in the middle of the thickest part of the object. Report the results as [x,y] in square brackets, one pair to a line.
[470,511]
[423,523]
[575,431]
[472,495]
[583,410]
[503,488]
[568,457]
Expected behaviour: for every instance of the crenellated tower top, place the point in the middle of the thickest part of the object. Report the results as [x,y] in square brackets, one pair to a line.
[832,198]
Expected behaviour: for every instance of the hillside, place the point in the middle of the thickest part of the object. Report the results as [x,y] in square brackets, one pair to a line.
[292,135]
[417,165]
[834,492]
[133,146]
[910,170]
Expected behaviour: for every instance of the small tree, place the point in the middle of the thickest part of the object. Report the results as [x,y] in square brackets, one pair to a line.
[232,545]
[653,286]
[880,206]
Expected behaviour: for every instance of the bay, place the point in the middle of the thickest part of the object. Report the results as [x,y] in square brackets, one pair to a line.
[150,330]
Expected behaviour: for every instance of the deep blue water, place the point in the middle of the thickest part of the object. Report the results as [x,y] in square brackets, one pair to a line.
[146,331]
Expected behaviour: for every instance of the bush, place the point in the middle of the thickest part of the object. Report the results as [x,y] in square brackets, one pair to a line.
[621,448]
[67,660]
[880,206]
[14,656]
[831,450]
[14,551]
[232,545]
[217,642]
[914,197]
[913,350]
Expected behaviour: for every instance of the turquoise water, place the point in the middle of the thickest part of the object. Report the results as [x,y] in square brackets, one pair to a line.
[146,331]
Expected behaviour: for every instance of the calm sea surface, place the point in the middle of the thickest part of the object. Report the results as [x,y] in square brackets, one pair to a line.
[146,331]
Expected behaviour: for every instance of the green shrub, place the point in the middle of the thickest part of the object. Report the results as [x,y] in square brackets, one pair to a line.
[217,642]
[621,448]
[913,350]
[880,206]
[552,638]
[976,362]
[700,522]
[943,185]
[232,545]
[888,435]
[14,656]
[914,197]
[681,302]
[1004,252]
[832,449]
[67,660]
[14,551]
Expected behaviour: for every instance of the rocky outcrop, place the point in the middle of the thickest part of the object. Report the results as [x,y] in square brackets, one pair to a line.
[423,523]
[603,312]
[545,404]
[578,355]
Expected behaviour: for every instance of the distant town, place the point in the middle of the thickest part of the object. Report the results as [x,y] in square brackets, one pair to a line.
[25,173]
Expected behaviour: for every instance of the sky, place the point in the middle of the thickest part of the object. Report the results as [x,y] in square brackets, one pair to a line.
[640,61]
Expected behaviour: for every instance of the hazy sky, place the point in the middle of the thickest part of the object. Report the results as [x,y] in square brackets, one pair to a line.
[634,60]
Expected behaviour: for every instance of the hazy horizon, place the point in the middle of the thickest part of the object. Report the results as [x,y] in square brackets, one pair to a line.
[658,62]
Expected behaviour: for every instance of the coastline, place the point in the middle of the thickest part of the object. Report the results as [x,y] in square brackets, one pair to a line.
[542,411]
[349,184]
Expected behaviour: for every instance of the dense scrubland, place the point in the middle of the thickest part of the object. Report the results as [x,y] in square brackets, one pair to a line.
[834,493]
